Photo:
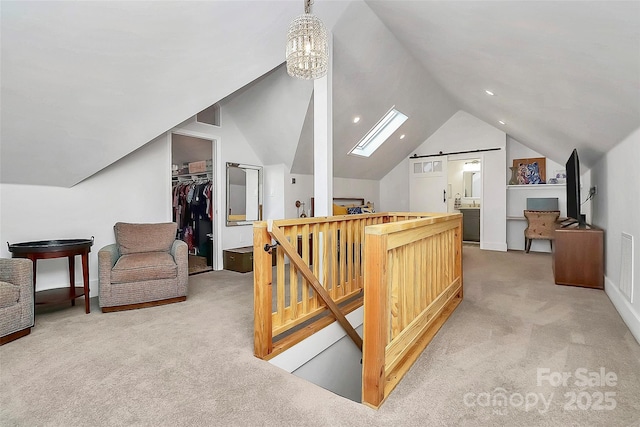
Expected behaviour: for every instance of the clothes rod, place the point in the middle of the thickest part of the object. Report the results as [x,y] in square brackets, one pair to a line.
[415,156]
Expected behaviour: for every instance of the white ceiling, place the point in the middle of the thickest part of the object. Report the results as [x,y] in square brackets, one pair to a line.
[85,83]
[565,73]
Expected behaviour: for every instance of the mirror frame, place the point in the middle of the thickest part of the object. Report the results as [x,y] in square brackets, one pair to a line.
[230,165]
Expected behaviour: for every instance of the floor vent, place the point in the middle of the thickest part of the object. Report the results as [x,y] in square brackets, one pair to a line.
[626,266]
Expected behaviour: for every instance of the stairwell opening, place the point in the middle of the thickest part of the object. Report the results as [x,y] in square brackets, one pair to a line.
[328,359]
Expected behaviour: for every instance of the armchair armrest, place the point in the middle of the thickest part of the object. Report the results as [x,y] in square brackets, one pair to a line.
[180,252]
[107,258]
[19,272]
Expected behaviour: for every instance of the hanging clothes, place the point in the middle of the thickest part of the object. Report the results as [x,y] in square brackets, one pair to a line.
[193,212]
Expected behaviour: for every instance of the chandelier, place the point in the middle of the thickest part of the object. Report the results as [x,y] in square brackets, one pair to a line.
[307,47]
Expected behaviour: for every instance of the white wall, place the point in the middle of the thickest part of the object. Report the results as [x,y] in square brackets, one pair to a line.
[465,132]
[342,187]
[274,194]
[615,209]
[137,188]
[394,189]
[365,188]
[337,369]
[331,351]
[302,190]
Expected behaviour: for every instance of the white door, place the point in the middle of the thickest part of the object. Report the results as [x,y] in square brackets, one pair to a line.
[428,184]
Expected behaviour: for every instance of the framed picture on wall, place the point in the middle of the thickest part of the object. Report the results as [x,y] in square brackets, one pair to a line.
[531,171]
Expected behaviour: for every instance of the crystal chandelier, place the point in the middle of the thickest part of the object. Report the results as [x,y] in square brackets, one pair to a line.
[307,47]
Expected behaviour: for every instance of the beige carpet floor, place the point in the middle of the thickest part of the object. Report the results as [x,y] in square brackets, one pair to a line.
[191,363]
[198,264]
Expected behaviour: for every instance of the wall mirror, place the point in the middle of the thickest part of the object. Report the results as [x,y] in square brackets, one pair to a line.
[472,184]
[244,194]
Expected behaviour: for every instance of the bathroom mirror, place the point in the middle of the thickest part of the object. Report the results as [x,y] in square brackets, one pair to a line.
[244,194]
[472,184]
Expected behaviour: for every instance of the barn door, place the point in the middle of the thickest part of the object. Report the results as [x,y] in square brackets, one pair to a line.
[428,184]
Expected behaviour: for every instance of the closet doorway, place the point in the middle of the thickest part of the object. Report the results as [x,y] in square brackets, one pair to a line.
[194,194]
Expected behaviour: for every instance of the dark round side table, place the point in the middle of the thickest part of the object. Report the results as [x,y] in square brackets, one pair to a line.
[46,249]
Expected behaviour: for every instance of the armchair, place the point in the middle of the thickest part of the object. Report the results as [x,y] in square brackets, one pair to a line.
[540,225]
[146,267]
[16,298]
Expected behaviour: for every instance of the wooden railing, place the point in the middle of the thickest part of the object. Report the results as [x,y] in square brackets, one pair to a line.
[332,247]
[413,282]
[408,265]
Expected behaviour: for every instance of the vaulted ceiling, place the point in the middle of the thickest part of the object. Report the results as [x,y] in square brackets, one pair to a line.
[85,83]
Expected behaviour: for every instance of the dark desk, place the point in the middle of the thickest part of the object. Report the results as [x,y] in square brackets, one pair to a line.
[46,249]
[578,256]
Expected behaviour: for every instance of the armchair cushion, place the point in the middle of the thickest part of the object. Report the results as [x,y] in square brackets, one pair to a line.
[137,238]
[144,266]
[9,294]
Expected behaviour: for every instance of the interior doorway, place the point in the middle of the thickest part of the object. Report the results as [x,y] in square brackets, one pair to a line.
[465,185]
[193,196]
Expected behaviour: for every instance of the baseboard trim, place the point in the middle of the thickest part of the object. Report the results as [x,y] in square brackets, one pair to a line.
[629,315]
[494,246]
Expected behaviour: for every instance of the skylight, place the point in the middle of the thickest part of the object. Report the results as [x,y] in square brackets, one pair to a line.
[379,133]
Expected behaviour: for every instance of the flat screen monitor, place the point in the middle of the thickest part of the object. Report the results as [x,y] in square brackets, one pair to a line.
[573,188]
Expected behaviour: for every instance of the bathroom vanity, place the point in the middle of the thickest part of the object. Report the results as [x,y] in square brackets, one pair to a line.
[470,223]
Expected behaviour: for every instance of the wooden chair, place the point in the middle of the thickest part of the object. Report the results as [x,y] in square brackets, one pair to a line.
[540,225]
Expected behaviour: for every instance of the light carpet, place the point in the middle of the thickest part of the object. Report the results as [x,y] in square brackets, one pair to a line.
[191,363]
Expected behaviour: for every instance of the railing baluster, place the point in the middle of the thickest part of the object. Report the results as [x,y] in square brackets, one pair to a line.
[343,258]
[293,280]
[335,267]
[324,259]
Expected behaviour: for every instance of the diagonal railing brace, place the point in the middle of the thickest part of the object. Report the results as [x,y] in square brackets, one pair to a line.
[291,252]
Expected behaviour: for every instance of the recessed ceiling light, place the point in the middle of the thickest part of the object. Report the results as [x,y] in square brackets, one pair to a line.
[356,119]
[501,122]
[402,136]
[488,92]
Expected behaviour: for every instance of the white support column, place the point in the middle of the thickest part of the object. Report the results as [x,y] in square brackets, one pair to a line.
[323,140]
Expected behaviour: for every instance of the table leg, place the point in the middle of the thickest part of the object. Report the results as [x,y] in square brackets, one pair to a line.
[72,278]
[85,276]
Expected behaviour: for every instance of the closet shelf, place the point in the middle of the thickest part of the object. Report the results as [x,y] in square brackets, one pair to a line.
[187,176]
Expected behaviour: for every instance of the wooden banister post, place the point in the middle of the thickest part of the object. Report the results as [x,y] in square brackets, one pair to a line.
[262,291]
[376,319]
